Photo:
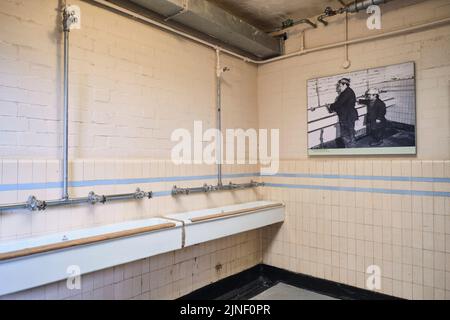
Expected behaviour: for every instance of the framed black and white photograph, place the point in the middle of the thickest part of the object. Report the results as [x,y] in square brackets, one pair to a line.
[371,111]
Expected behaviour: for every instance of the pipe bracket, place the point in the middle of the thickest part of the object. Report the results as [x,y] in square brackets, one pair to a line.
[139,194]
[33,204]
[95,198]
[70,18]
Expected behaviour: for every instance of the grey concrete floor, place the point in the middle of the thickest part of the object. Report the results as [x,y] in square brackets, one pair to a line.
[282,291]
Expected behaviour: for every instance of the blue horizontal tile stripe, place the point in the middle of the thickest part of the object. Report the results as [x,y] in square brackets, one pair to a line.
[355,177]
[161,193]
[355,189]
[91,183]
[30,186]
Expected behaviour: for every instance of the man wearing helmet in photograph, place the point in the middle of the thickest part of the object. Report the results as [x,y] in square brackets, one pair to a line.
[375,120]
[344,106]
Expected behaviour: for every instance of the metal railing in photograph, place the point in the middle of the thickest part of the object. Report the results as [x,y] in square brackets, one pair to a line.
[322,129]
[333,115]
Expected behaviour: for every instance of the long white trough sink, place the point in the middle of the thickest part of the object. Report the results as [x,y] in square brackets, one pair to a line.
[36,261]
[31,262]
[210,224]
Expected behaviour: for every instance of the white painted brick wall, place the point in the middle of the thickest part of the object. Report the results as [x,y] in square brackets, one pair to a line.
[130,84]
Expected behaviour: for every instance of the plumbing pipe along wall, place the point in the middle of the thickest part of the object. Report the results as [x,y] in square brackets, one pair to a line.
[356,6]
[33,203]
[65,149]
[219,143]
[362,5]
[219,117]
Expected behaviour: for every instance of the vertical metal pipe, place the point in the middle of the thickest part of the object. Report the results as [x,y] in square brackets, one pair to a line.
[219,117]
[65,147]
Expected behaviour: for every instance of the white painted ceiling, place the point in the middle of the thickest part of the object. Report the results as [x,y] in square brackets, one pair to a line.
[269,14]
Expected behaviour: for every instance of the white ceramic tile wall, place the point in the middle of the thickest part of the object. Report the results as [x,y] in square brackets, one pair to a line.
[336,235]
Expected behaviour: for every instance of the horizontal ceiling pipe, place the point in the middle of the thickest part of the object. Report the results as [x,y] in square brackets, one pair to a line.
[359,40]
[362,5]
[356,6]
[287,56]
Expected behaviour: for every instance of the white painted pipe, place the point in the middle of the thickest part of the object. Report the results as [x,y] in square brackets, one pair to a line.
[219,116]
[359,40]
[286,56]
[358,6]
[65,148]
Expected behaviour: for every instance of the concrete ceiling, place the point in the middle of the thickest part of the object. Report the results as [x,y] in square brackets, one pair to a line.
[269,14]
